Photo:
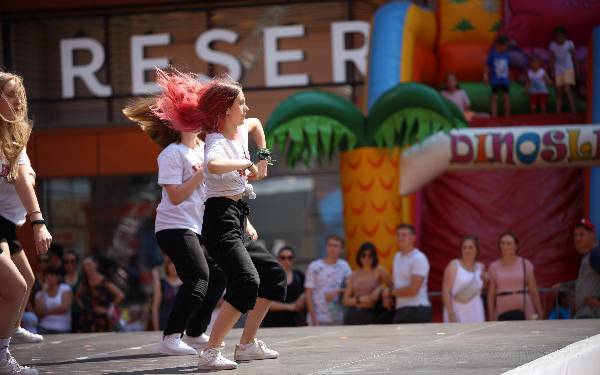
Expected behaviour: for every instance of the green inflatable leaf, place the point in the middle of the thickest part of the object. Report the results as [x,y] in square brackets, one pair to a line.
[496,26]
[303,135]
[463,25]
[325,133]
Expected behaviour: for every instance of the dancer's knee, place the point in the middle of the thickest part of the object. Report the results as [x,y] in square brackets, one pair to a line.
[243,293]
[275,288]
[17,290]
[197,284]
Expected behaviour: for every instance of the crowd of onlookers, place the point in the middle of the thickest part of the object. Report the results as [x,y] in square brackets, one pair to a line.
[506,290]
[561,70]
[73,295]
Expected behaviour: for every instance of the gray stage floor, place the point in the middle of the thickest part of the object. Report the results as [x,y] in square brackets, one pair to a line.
[488,348]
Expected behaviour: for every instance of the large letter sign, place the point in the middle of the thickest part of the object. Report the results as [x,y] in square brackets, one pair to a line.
[70,71]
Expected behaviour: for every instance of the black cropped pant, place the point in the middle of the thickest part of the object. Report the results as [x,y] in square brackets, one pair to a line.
[252,271]
[203,281]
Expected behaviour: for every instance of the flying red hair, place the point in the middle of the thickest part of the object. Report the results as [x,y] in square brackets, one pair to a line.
[189,105]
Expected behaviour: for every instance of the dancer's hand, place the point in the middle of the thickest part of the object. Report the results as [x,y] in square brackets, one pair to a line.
[253,172]
[42,238]
[261,166]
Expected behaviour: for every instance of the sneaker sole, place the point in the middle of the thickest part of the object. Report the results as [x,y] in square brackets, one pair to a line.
[167,351]
[217,368]
[246,359]
[25,341]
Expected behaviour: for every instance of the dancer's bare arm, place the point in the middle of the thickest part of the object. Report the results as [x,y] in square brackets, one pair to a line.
[25,189]
[220,165]
[255,129]
[181,192]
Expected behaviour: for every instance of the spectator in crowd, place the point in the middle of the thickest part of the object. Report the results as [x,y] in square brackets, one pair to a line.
[164,294]
[537,85]
[53,304]
[565,67]
[364,287]
[73,279]
[324,285]
[464,278]
[497,74]
[96,298]
[455,94]
[72,271]
[291,312]
[587,285]
[410,274]
[513,291]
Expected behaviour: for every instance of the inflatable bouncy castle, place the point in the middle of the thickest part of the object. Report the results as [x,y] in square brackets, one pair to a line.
[394,144]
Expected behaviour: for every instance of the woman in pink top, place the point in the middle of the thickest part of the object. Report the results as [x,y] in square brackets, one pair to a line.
[507,297]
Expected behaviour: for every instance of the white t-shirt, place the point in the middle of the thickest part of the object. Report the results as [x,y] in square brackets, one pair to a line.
[57,322]
[230,183]
[11,207]
[175,166]
[322,277]
[537,81]
[562,52]
[458,97]
[405,266]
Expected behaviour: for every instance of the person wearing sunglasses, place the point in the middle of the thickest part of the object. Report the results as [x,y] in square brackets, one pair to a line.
[290,312]
[364,287]
[73,279]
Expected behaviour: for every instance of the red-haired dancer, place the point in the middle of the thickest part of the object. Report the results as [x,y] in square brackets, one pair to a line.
[254,277]
[179,217]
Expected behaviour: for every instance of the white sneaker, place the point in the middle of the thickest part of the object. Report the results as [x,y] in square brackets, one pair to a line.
[199,342]
[22,336]
[172,345]
[9,366]
[212,359]
[256,350]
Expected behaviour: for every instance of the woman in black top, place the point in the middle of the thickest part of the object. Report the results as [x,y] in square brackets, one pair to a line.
[291,312]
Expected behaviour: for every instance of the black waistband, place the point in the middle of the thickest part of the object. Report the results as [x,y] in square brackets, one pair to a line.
[240,204]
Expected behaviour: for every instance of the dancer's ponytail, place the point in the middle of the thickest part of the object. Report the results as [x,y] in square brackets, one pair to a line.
[140,111]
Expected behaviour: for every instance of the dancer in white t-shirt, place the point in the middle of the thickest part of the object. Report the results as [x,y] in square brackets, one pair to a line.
[17,200]
[254,277]
[179,218]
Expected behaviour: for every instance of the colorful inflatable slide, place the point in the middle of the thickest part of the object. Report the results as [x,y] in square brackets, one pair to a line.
[456,38]
[410,44]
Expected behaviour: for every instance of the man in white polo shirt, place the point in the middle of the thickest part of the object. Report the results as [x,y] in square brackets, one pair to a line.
[411,270]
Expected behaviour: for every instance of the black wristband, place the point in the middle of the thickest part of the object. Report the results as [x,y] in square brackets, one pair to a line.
[38,222]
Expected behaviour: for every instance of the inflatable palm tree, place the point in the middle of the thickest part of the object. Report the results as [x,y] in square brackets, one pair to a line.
[313,125]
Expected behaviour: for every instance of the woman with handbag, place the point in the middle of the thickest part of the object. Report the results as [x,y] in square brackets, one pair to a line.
[513,291]
[464,278]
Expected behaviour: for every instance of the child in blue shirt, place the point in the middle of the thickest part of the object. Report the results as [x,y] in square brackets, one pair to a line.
[496,73]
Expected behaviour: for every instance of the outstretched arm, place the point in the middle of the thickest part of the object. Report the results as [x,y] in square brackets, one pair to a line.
[25,189]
